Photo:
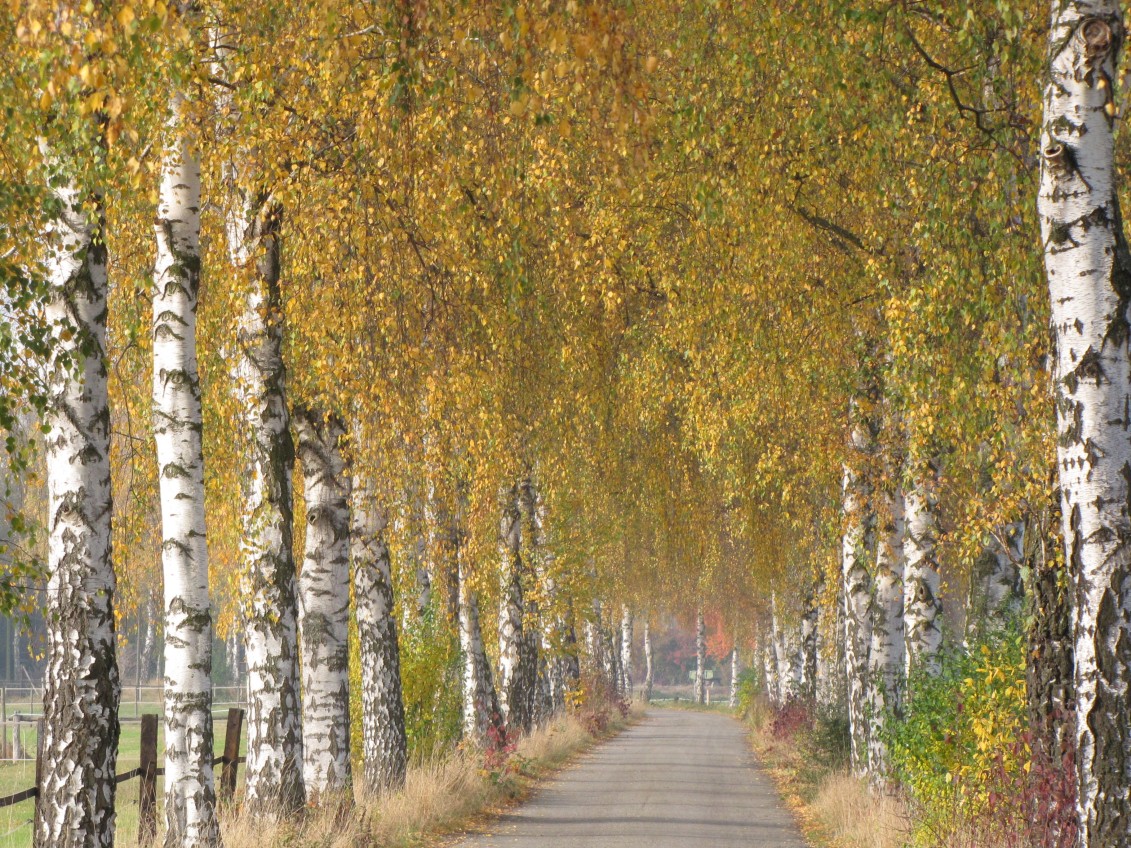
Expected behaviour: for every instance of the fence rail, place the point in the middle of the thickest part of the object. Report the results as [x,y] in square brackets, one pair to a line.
[149,771]
[21,708]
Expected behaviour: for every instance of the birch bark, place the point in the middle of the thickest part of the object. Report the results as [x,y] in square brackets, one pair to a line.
[922,606]
[700,658]
[480,702]
[857,596]
[384,745]
[571,662]
[648,680]
[190,795]
[149,641]
[810,618]
[515,680]
[733,678]
[996,593]
[626,650]
[82,687]
[886,660]
[324,603]
[273,782]
[770,670]
[1089,274]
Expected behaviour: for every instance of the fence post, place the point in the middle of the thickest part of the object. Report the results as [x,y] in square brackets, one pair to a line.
[231,752]
[4,722]
[147,794]
[18,752]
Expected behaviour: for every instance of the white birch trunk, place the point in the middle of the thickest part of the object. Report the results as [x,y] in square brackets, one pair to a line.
[514,680]
[996,593]
[480,704]
[700,658]
[886,660]
[82,688]
[190,794]
[592,647]
[810,619]
[273,783]
[733,678]
[1089,275]
[274,730]
[611,646]
[647,662]
[922,606]
[857,594]
[769,671]
[832,682]
[551,629]
[149,640]
[785,657]
[603,651]
[532,664]
[324,603]
[384,746]
[626,651]
[1004,592]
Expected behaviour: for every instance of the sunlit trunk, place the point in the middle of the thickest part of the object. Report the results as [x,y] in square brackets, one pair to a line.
[190,795]
[324,603]
[81,689]
[384,746]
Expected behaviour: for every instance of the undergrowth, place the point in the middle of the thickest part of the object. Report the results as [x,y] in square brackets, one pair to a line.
[441,795]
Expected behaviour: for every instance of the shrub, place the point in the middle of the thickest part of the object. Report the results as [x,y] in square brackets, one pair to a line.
[963,754]
[793,718]
[749,688]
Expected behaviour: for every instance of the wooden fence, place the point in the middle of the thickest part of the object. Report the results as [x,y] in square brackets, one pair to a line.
[20,707]
[148,771]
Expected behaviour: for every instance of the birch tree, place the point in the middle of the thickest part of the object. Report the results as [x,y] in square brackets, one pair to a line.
[190,793]
[1088,269]
[480,702]
[733,702]
[75,806]
[274,732]
[274,737]
[857,593]
[700,658]
[808,645]
[886,661]
[922,605]
[626,650]
[324,603]
[647,662]
[384,749]
[516,677]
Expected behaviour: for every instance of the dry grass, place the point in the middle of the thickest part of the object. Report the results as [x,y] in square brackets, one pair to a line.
[834,809]
[853,816]
[439,797]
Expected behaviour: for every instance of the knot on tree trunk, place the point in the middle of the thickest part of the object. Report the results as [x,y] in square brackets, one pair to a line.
[1097,36]
[1057,156]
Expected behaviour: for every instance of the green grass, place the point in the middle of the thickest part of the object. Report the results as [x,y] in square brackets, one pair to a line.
[15,821]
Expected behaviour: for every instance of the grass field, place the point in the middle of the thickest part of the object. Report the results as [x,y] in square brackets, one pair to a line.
[15,821]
